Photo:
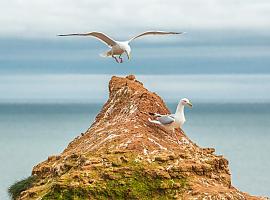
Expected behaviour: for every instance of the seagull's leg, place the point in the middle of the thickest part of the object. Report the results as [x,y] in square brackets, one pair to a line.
[176,137]
[115,59]
[120,58]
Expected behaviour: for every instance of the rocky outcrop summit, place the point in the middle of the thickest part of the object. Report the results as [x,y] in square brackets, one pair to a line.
[124,156]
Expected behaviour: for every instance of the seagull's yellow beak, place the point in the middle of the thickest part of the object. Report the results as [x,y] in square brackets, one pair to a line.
[189,104]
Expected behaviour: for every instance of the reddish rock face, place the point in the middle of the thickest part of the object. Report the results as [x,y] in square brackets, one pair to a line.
[123,123]
[123,155]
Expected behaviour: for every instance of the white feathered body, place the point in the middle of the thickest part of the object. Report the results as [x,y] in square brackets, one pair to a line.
[180,116]
[118,49]
[171,121]
[179,121]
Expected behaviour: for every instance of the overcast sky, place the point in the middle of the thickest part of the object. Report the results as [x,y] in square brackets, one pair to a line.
[45,18]
[223,37]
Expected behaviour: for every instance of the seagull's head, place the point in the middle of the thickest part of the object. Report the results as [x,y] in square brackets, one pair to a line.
[128,51]
[185,101]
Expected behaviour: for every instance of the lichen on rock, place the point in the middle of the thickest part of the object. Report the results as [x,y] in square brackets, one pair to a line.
[124,156]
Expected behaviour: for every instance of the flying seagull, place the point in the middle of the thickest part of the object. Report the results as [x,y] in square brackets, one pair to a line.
[118,47]
[172,121]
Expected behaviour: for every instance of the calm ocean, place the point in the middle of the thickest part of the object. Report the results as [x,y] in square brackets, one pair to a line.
[29,133]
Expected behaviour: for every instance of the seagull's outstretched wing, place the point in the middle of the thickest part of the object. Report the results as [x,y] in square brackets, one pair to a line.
[166,119]
[154,33]
[101,36]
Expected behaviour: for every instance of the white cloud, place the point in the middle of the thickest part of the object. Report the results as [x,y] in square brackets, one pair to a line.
[45,18]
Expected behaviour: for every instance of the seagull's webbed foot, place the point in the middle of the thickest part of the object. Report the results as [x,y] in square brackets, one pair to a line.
[121,59]
[115,59]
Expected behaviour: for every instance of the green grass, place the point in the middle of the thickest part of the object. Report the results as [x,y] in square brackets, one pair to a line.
[19,186]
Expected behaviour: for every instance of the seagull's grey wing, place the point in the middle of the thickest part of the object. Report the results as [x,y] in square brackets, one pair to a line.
[101,36]
[172,115]
[166,119]
[154,33]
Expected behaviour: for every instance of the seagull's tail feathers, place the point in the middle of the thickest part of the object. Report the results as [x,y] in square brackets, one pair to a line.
[154,114]
[154,121]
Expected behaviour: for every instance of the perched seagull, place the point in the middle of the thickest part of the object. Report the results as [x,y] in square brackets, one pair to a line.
[118,47]
[172,121]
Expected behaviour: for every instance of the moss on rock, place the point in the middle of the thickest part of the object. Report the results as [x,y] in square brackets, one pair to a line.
[137,186]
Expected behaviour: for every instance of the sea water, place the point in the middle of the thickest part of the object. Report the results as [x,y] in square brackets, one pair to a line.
[29,133]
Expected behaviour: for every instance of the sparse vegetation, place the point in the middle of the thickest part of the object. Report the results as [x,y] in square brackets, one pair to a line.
[133,183]
[19,186]
[69,193]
